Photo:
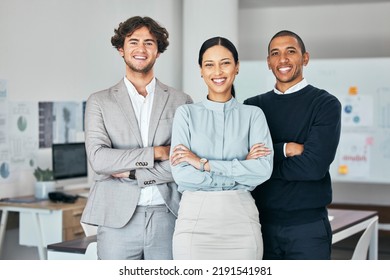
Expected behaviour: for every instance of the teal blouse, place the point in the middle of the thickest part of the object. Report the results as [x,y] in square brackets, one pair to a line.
[223,133]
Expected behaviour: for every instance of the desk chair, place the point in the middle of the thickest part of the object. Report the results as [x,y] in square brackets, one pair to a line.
[89,229]
[361,249]
[91,252]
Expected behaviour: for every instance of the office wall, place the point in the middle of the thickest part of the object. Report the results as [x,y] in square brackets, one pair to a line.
[329,31]
[200,22]
[60,50]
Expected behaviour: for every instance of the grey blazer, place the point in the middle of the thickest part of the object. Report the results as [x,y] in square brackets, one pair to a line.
[114,145]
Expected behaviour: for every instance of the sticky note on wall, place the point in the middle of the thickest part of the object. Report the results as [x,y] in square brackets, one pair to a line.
[353,90]
[343,169]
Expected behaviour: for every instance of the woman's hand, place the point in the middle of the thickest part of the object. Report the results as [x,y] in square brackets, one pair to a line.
[258,150]
[181,153]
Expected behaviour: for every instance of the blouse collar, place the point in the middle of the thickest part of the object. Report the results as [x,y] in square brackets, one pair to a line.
[220,106]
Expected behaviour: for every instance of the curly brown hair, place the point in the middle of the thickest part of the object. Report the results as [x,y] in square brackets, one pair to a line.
[129,26]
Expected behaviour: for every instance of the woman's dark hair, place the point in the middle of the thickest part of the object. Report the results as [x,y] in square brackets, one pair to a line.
[291,34]
[218,41]
[129,26]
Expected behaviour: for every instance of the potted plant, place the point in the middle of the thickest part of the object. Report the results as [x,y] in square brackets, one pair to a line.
[45,182]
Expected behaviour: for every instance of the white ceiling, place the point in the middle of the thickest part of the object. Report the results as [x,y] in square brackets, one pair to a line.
[250,4]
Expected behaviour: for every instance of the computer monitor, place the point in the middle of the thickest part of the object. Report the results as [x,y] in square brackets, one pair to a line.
[70,165]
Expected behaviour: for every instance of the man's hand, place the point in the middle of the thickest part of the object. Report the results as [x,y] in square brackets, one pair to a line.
[294,149]
[161,152]
[121,175]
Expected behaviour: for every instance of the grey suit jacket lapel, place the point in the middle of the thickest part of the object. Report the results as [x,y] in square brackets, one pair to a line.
[160,99]
[124,103]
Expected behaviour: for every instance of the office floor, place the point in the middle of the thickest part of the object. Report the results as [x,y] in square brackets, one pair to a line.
[340,251]
[13,251]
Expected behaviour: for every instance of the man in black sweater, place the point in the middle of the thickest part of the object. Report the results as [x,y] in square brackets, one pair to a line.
[305,127]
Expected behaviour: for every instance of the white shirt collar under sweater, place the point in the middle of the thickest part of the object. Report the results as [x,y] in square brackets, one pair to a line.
[294,88]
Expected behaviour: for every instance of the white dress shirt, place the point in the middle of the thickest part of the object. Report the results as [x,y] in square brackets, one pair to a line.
[143,108]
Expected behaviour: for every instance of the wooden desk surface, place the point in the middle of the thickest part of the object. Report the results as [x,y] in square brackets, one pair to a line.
[342,219]
[31,202]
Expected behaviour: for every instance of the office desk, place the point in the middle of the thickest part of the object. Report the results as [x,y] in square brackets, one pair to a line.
[78,249]
[43,222]
[344,223]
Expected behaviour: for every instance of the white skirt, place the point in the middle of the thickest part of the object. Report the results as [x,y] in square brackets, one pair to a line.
[218,225]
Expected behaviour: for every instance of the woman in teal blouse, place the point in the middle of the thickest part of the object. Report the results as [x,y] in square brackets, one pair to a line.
[221,150]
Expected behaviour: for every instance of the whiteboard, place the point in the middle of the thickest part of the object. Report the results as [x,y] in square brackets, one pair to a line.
[363,88]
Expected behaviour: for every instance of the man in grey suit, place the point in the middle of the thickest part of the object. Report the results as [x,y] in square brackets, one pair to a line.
[133,200]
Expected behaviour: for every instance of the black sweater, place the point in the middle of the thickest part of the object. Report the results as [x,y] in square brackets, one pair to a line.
[300,187]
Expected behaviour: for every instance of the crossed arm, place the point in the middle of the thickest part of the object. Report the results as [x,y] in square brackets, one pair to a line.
[182,154]
[161,153]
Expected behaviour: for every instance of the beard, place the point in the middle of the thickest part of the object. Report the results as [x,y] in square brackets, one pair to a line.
[143,70]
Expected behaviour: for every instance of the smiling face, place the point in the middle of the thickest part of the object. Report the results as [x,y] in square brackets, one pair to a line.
[140,52]
[218,70]
[286,61]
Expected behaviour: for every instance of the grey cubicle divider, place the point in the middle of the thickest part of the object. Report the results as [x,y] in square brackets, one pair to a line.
[363,87]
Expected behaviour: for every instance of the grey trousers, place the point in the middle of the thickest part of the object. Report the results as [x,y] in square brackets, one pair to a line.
[148,235]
